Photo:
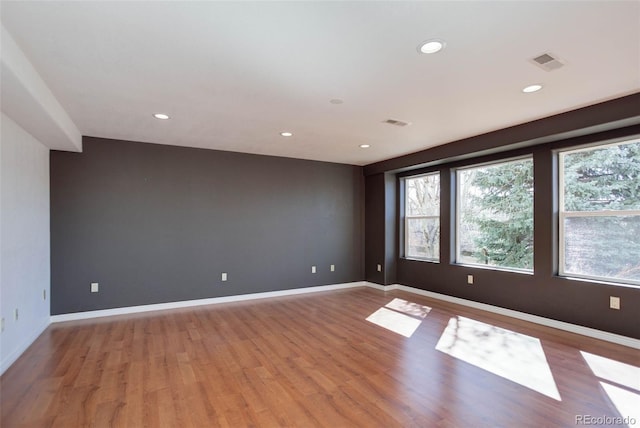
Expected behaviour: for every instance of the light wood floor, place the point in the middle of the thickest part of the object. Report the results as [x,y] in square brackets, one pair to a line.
[314,360]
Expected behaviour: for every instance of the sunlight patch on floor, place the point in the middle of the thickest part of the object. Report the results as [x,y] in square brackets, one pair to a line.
[408,308]
[627,403]
[513,356]
[400,316]
[613,371]
[395,321]
[621,383]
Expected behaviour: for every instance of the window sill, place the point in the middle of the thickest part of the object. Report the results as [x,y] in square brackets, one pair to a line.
[415,259]
[495,268]
[598,281]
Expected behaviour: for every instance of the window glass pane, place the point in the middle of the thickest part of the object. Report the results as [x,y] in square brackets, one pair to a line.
[607,178]
[423,195]
[422,217]
[423,238]
[606,247]
[495,212]
[596,242]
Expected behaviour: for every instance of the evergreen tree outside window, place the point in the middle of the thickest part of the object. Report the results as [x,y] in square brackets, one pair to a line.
[599,220]
[494,208]
[422,217]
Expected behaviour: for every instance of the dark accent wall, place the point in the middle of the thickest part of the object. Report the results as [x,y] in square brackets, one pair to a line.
[391,230]
[381,248]
[375,228]
[542,293]
[154,223]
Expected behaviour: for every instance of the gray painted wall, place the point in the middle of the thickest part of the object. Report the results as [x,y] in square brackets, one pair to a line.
[153,223]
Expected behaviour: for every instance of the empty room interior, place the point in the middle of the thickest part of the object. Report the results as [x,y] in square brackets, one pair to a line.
[300,214]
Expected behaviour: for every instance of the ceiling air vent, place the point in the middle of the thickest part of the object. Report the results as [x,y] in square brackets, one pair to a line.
[396,122]
[547,62]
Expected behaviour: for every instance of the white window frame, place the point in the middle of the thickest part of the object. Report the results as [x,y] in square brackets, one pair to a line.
[412,217]
[458,215]
[563,215]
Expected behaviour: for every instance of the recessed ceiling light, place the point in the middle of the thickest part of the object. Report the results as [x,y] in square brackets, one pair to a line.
[532,88]
[286,134]
[431,46]
[161,116]
[336,101]
[364,146]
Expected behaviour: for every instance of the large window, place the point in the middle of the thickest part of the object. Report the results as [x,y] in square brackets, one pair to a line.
[600,212]
[494,212]
[422,217]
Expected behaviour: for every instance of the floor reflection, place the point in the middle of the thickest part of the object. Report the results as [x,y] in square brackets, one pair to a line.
[513,356]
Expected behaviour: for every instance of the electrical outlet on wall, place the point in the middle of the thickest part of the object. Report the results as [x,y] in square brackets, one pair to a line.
[313,269]
[95,287]
[332,268]
[470,279]
[379,268]
[2,324]
[223,276]
[614,302]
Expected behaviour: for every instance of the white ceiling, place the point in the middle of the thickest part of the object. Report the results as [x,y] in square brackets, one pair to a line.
[233,75]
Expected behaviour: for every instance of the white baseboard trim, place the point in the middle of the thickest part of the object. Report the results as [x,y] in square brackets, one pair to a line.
[17,352]
[200,302]
[379,286]
[561,325]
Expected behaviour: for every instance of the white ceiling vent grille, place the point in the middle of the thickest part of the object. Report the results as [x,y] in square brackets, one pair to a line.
[547,62]
[396,122]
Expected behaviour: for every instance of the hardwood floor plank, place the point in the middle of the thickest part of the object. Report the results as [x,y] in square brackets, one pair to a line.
[313,361]
[169,412]
[134,395]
